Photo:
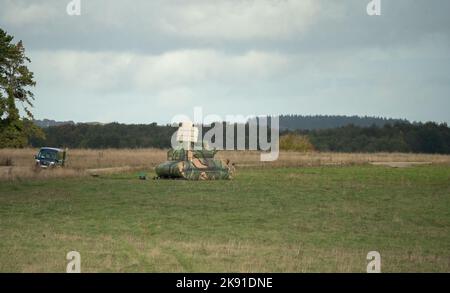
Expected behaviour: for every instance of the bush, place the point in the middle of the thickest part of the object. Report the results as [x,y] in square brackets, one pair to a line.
[295,142]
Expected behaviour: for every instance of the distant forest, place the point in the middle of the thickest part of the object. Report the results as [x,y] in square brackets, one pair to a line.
[290,122]
[299,122]
[330,133]
[399,137]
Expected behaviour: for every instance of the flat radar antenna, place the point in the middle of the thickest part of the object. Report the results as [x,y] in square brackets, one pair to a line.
[187,135]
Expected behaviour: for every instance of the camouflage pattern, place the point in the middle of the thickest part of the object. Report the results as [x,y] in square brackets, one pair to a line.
[194,165]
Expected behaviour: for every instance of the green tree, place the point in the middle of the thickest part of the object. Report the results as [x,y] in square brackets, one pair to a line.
[15,80]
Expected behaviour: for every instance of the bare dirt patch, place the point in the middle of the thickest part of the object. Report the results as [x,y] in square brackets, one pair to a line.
[400,164]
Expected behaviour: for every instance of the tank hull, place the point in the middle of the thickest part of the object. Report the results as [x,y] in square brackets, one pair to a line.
[206,169]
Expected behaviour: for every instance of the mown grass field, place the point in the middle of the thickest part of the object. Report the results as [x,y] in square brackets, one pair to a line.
[291,219]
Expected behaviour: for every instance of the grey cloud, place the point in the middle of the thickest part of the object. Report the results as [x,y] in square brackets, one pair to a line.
[268,57]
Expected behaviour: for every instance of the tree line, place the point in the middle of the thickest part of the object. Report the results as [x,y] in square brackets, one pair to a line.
[312,122]
[427,137]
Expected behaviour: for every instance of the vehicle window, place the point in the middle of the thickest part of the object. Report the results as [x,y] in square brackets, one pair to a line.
[47,154]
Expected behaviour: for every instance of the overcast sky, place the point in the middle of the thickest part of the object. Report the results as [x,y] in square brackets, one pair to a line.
[144,61]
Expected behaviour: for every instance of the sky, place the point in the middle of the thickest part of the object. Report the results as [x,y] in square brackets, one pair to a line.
[146,61]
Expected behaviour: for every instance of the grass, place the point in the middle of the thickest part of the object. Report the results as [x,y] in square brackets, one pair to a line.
[312,219]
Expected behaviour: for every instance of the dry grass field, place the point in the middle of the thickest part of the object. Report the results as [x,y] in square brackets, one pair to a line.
[80,162]
[17,164]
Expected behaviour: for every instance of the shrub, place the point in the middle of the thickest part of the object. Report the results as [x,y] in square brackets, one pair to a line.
[295,142]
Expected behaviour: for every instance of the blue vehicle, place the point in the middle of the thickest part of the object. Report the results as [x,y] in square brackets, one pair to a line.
[50,157]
